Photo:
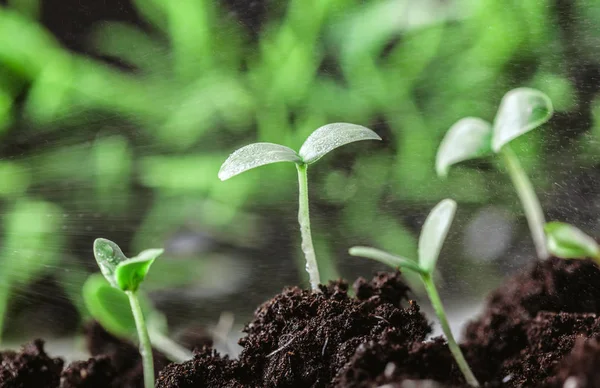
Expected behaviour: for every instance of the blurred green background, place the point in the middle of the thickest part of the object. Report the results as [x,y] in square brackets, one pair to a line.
[116,115]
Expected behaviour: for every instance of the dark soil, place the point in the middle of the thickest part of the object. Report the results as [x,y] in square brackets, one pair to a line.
[539,329]
[31,367]
[302,339]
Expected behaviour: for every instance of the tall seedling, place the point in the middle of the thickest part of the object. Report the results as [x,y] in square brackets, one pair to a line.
[319,143]
[521,110]
[432,238]
[127,274]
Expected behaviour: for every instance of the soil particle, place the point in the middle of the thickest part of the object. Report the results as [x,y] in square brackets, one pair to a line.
[124,356]
[30,368]
[95,372]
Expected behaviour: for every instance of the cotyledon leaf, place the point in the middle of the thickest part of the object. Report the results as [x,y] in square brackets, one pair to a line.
[520,111]
[130,273]
[108,256]
[468,138]
[256,155]
[568,242]
[434,233]
[331,136]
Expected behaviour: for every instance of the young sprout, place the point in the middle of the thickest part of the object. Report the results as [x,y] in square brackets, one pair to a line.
[110,307]
[521,110]
[126,274]
[432,238]
[568,242]
[319,143]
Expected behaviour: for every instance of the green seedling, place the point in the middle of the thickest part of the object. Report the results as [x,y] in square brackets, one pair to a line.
[126,274]
[318,144]
[110,307]
[568,242]
[432,238]
[521,110]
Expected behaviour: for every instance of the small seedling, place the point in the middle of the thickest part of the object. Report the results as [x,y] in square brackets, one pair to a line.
[110,307]
[568,242]
[319,143]
[432,238]
[126,274]
[521,110]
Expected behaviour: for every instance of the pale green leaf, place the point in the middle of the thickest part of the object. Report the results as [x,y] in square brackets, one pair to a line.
[108,256]
[520,111]
[331,136]
[469,138]
[256,155]
[568,242]
[433,233]
[386,258]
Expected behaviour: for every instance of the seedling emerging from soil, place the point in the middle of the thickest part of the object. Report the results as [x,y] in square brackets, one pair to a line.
[568,242]
[126,274]
[431,240]
[521,110]
[319,143]
[110,307]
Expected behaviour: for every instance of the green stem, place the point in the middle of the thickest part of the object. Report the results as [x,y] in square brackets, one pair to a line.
[304,221]
[4,297]
[169,348]
[436,302]
[529,200]
[145,344]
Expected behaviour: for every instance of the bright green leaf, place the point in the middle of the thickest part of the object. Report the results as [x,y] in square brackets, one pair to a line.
[469,138]
[434,233]
[386,258]
[331,136]
[568,242]
[520,111]
[256,155]
[130,273]
[109,306]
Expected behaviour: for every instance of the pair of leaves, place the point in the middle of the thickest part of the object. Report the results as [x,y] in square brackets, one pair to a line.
[121,272]
[568,242]
[322,141]
[521,110]
[433,234]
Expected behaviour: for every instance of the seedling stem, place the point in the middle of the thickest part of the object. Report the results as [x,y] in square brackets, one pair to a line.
[432,237]
[304,221]
[322,141]
[529,200]
[438,307]
[145,344]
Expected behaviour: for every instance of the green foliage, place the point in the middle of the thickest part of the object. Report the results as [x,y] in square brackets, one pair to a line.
[322,141]
[568,242]
[319,143]
[521,110]
[201,83]
[433,235]
[109,306]
[121,272]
